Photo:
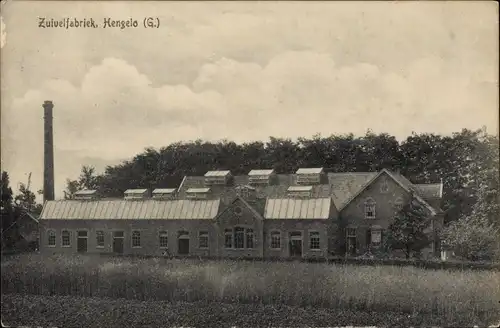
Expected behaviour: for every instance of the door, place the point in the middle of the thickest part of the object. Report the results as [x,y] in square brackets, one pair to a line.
[81,243]
[118,238]
[183,246]
[351,246]
[295,244]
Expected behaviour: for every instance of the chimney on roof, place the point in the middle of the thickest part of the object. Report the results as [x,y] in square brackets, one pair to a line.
[48,153]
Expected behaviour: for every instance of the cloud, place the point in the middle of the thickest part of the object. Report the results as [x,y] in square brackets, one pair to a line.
[116,111]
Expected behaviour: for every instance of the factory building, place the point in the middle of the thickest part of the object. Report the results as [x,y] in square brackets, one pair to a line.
[310,213]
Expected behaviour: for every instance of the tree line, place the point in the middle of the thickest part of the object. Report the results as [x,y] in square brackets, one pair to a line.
[466,162]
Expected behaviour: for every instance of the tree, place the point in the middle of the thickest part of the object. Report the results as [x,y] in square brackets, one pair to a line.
[7,196]
[87,180]
[7,211]
[26,199]
[407,231]
[472,238]
[477,236]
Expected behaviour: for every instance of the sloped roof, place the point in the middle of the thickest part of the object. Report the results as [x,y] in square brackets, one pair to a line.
[286,208]
[429,191]
[260,172]
[198,190]
[344,186]
[122,209]
[85,192]
[341,187]
[135,191]
[309,170]
[217,173]
[163,190]
[300,188]
[245,203]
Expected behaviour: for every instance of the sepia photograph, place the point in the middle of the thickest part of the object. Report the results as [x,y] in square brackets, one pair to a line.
[250,164]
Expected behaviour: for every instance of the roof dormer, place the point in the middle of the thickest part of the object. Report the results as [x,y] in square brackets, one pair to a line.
[308,176]
[299,191]
[164,193]
[197,193]
[260,176]
[131,194]
[86,195]
[217,177]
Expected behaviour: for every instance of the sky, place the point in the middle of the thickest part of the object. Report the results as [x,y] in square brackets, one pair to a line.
[240,71]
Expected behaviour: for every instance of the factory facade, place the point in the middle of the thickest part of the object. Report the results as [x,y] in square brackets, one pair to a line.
[308,214]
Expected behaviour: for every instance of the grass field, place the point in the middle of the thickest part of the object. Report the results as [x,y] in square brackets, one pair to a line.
[447,297]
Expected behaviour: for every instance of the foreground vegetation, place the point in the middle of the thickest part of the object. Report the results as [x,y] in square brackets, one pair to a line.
[68,311]
[465,297]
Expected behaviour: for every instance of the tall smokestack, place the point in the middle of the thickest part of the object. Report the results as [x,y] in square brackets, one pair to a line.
[48,152]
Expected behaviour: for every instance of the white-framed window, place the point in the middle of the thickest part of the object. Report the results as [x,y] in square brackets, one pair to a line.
[136,238]
[99,239]
[275,240]
[203,239]
[249,238]
[163,239]
[66,238]
[314,240]
[398,204]
[228,238]
[51,238]
[370,206]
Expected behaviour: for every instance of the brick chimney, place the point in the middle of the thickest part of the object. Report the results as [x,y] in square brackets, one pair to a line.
[48,152]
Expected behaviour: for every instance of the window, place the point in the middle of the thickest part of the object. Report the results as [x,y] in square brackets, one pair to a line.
[249,238]
[239,237]
[203,239]
[376,237]
[238,211]
[275,239]
[163,236]
[314,240]
[228,238]
[351,232]
[398,204]
[370,209]
[99,238]
[384,187]
[51,238]
[136,238]
[66,238]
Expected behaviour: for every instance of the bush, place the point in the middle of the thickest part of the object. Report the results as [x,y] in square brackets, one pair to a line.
[473,239]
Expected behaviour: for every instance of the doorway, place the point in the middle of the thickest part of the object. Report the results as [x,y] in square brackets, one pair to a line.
[81,242]
[351,246]
[118,239]
[183,243]
[295,244]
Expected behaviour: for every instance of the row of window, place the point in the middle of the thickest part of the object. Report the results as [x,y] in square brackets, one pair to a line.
[370,207]
[373,236]
[135,238]
[238,238]
[314,240]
